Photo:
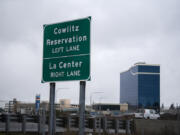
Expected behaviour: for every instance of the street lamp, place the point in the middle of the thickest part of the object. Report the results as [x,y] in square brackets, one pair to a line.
[92,95]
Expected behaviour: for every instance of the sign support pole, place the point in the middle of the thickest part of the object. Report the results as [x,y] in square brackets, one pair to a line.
[82,107]
[52,111]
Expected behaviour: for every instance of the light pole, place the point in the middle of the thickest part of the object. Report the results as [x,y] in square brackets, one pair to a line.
[92,95]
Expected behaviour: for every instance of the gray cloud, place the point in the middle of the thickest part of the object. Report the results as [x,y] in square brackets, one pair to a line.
[123,32]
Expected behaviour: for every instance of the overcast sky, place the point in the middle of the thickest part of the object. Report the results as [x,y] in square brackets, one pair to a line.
[122,33]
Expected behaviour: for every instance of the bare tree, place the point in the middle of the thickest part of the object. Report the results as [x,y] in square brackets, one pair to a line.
[172,107]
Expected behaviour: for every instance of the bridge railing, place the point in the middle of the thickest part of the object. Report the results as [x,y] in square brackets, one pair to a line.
[39,123]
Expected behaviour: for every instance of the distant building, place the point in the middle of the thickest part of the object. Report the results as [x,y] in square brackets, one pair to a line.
[110,107]
[140,86]
[15,106]
[65,103]
[67,107]
[11,106]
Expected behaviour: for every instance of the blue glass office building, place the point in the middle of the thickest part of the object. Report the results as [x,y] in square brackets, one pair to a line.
[140,86]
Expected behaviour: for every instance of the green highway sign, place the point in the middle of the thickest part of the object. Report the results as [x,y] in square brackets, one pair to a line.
[66,51]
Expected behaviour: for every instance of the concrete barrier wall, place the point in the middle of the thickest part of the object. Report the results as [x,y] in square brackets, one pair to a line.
[157,127]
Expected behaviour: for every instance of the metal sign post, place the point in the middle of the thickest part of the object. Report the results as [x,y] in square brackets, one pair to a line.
[52,112]
[82,107]
[66,57]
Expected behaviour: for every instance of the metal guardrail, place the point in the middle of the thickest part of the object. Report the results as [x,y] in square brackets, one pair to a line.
[25,123]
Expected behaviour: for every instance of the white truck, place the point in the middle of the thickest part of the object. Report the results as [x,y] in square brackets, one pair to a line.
[150,114]
[147,114]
